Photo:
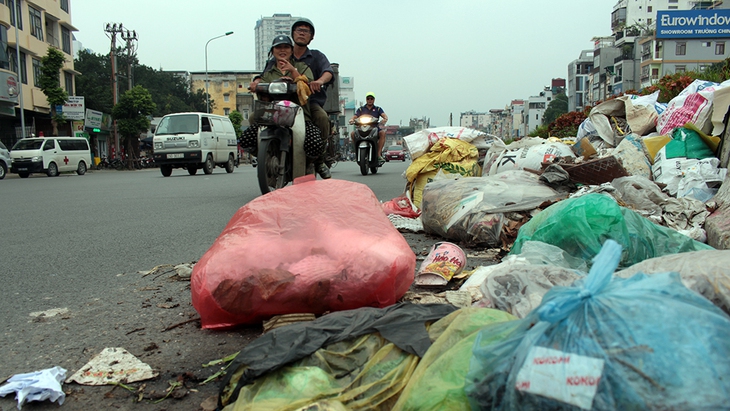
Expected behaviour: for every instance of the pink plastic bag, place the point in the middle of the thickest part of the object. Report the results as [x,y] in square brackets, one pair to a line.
[312,247]
[401,206]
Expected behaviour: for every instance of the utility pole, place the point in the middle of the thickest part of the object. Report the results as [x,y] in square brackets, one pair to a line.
[130,37]
[112,30]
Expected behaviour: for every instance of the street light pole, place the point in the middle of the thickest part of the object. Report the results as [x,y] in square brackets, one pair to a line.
[207,96]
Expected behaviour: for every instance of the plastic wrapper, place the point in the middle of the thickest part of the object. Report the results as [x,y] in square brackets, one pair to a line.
[581,225]
[438,382]
[472,210]
[704,272]
[295,251]
[607,343]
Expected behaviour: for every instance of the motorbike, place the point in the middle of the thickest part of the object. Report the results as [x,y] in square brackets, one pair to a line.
[281,156]
[366,143]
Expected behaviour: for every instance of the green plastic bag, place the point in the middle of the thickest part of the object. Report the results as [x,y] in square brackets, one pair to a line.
[687,143]
[438,381]
[581,225]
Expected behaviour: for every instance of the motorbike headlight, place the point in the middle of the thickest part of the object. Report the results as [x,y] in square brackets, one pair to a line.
[278,88]
[193,144]
[365,119]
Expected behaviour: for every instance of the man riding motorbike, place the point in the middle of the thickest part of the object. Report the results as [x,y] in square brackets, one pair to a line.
[302,31]
[287,69]
[371,109]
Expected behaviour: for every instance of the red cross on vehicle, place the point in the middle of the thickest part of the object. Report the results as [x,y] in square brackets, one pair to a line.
[65,160]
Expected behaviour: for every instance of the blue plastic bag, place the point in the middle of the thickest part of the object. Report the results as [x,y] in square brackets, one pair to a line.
[606,343]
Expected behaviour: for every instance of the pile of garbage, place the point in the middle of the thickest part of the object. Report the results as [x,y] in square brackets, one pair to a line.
[607,295]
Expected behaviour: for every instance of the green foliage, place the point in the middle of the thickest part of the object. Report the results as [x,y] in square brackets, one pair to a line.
[94,82]
[557,107]
[50,82]
[132,114]
[170,93]
[237,119]
[540,131]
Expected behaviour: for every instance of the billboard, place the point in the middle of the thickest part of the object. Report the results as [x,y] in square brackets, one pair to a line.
[74,108]
[693,24]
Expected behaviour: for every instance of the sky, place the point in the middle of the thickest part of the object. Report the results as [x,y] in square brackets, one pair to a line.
[426,58]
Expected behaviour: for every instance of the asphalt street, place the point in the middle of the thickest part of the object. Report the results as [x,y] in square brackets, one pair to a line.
[69,235]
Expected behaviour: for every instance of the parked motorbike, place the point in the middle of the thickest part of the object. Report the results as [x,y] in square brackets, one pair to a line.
[366,143]
[281,156]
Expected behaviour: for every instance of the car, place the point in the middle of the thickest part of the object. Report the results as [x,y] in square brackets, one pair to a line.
[395,153]
[4,160]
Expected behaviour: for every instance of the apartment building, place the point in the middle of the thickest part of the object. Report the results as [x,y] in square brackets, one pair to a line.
[228,90]
[645,54]
[578,80]
[27,29]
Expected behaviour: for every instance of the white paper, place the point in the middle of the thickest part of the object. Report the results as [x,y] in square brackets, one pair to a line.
[36,386]
[565,377]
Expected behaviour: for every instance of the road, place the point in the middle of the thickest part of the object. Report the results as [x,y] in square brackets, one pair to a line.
[79,242]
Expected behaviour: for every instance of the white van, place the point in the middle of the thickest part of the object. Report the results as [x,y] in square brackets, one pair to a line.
[193,141]
[50,155]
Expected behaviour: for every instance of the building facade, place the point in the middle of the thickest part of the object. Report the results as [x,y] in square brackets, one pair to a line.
[228,91]
[266,29]
[40,24]
[579,71]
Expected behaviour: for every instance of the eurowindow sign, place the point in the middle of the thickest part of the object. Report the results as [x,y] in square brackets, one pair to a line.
[693,24]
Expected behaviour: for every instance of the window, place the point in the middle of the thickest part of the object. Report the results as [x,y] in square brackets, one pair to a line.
[66,40]
[12,54]
[706,43]
[648,22]
[673,7]
[68,79]
[225,84]
[226,97]
[720,48]
[703,67]
[36,72]
[681,48]
[18,12]
[36,23]
[680,69]
[648,9]
[64,5]
[226,111]
[245,115]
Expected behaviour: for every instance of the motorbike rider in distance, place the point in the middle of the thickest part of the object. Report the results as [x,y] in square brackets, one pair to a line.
[287,69]
[371,109]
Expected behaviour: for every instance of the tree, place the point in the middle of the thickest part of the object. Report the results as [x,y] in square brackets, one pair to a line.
[94,82]
[50,85]
[132,114]
[237,119]
[555,109]
[170,92]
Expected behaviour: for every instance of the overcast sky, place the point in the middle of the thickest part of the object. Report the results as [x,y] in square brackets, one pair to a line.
[423,58]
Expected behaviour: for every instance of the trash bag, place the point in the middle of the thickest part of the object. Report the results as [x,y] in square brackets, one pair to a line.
[471,210]
[582,224]
[607,343]
[438,382]
[450,155]
[296,251]
[704,272]
[356,359]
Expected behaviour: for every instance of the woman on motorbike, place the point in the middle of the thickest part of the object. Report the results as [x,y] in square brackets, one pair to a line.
[286,69]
